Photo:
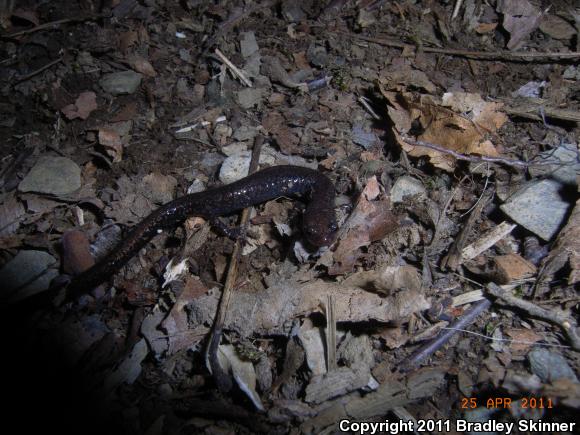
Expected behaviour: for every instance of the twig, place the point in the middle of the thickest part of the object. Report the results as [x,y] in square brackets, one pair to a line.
[39,70]
[486,241]
[509,340]
[515,56]
[235,71]
[438,226]
[428,349]
[454,258]
[330,333]
[458,4]
[535,112]
[557,317]
[487,171]
[365,102]
[475,158]
[52,24]
[222,379]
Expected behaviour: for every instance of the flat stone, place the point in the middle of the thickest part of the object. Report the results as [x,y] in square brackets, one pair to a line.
[249,97]
[237,166]
[292,12]
[52,175]
[248,44]
[406,186]
[566,171]
[245,133]
[26,274]
[550,366]
[318,56]
[252,66]
[363,137]
[538,207]
[122,82]
[571,73]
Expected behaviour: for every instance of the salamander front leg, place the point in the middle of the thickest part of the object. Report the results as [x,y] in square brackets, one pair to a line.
[233,233]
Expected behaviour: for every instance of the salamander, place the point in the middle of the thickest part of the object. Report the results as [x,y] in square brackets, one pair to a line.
[318,223]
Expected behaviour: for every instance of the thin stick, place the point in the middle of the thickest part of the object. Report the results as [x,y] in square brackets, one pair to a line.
[509,340]
[532,112]
[432,346]
[39,70]
[474,158]
[516,56]
[486,241]
[365,102]
[557,317]
[52,24]
[222,379]
[233,68]
[330,333]
[458,4]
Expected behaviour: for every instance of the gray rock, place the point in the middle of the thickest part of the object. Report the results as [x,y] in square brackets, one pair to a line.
[248,44]
[567,154]
[317,55]
[366,139]
[252,65]
[538,207]
[406,186]
[26,274]
[52,175]
[210,160]
[123,82]
[572,73]
[245,133]
[292,12]
[237,166]
[249,97]
[550,366]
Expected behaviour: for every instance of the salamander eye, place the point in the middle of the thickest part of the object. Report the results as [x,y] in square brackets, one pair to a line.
[333,227]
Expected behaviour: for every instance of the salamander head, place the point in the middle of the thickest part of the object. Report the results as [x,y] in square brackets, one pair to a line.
[320,228]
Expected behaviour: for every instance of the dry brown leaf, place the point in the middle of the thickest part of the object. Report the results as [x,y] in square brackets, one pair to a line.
[483,28]
[176,324]
[512,267]
[301,61]
[387,279]
[142,65]
[459,123]
[126,113]
[406,77]
[11,211]
[520,18]
[484,113]
[9,242]
[82,107]
[127,39]
[565,391]
[371,220]
[523,339]
[111,141]
[159,188]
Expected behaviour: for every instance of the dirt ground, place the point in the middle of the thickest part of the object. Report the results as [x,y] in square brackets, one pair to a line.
[448,301]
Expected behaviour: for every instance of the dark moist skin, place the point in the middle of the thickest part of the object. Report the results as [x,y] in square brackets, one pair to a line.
[318,223]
